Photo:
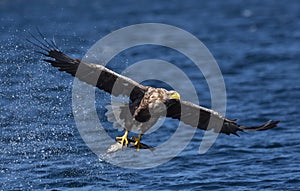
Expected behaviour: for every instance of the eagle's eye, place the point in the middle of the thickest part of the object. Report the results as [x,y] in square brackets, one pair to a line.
[175,95]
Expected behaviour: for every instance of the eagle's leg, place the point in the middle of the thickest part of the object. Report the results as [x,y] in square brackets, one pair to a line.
[123,139]
[137,142]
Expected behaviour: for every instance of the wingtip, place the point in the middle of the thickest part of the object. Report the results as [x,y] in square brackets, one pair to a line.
[268,125]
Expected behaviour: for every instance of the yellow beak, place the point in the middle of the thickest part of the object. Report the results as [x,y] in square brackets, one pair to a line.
[175,96]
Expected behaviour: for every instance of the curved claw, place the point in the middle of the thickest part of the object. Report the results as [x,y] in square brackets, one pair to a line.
[137,143]
[123,139]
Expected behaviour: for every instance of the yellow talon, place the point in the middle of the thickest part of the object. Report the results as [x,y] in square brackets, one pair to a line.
[123,139]
[137,142]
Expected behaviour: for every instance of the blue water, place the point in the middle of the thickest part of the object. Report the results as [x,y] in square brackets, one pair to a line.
[256,44]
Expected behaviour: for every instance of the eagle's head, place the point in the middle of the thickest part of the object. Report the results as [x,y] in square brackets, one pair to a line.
[174,95]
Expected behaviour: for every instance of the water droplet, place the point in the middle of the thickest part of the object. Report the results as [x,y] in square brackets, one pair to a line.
[247,13]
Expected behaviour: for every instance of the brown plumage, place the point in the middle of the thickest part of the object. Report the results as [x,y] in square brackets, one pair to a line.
[147,104]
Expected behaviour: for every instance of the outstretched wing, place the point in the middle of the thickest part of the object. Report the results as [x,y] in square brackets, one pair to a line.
[200,117]
[93,74]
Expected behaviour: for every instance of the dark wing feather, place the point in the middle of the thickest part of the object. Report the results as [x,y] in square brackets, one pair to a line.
[200,117]
[96,75]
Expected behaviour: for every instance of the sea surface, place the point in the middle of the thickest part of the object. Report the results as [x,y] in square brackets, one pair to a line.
[255,43]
